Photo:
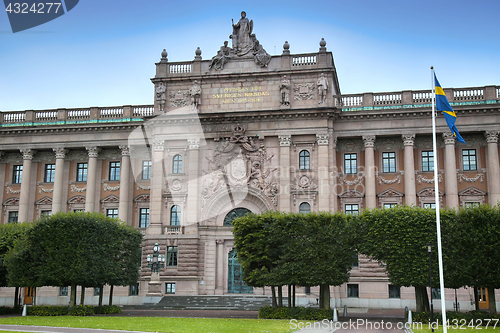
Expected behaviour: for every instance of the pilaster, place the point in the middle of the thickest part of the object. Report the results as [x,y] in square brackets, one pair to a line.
[450,171]
[25,185]
[370,183]
[284,176]
[493,167]
[193,178]
[323,181]
[124,202]
[57,204]
[409,170]
[91,179]
[157,181]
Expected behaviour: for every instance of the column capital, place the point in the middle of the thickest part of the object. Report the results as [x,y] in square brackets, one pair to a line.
[491,136]
[125,150]
[408,139]
[219,241]
[60,152]
[193,143]
[449,138]
[322,139]
[28,153]
[285,140]
[159,145]
[93,151]
[369,141]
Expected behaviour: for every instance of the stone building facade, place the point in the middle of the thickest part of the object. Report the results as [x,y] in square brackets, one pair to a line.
[245,131]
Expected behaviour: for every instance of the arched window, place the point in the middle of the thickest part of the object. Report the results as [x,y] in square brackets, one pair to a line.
[175,215]
[177,164]
[304,208]
[235,213]
[304,160]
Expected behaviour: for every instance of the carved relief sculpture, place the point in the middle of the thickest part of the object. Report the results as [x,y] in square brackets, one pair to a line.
[222,56]
[285,91]
[322,88]
[179,98]
[303,91]
[242,30]
[261,57]
[195,93]
[160,95]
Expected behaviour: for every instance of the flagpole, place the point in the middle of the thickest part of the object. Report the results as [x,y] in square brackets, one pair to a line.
[436,196]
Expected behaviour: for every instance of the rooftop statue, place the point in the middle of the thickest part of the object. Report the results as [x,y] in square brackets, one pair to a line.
[242,42]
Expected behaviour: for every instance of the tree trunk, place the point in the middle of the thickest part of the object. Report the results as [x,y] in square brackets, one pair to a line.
[273,297]
[34,296]
[82,296]
[16,297]
[289,295]
[101,292]
[422,299]
[111,295]
[492,301]
[324,293]
[72,297]
[476,299]
[280,296]
[293,296]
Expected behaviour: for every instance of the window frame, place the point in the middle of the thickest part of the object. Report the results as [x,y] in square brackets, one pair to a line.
[172,256]
[392,167]
[17,173]
[395,292]
[169,287]
[133,289]
[475,165]
[83,179]
[353,287]
[141,216]
[112,216]
[146,170]
[351,169]
[304,160]
[351,211]
[9,218]
[430,164]
[49,172]
[177,213]
[63,291]
[177,164]
[114,169]
[303,204]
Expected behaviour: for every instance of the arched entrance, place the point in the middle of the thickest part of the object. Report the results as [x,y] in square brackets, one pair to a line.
[235,284]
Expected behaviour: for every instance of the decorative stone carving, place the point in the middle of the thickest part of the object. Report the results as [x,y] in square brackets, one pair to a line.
[303,91]
[77,155]
[390,196]
[242,35]
[350,145]
[222,56]
[356,181]
[491,136]
[322,139]
[44,190]
[60,152]
[195,93]
[176,186]
[285,91]
[194,143]
[142,198]
[159,145]
[28,153]
[424,142]
[139,186]
[93,151]
[285,140]
[408,139]
[110,199]
[179,98]
[427,195]
[322,84]
[304,183]
[421,179]
[125,150]
[449,138]
[471,194]
[74,188]
[388,144]
[9,190]
[106,187]
[260,56]
[77,199]
[111,154]
[479,176]
[11,202]
[44,156]
[13,158]
[369,141]
[389,182]
[160,95]
[44,201]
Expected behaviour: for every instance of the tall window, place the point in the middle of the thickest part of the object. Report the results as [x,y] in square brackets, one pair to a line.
[114,170]
[427,161]
[175,215]
[171,255]
[113,212]
[352,290]
[133,289]
[304,160]
[17,174]
[144,218]
[469,159]
[13,216]
[350,163]
[304,208]
[50,173]
[352,209]
[146,169]
[394,291]
[63,291]
[169,288]
[97,291]
[177,164]
[355,260]
[389,162]
[81,172]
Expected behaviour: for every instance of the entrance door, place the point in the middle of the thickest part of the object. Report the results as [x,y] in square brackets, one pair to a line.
[235,284]
[482,296]
[28,295]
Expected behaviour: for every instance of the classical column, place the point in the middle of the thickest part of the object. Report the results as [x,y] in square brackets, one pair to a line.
[493,167]
[450,171]
[157,181]
[57,204]
[333,175]
[371,199]
[409,170]
[323,181]
[91,178]
[193,178]
[219,287]
[25,185]
[124,203]
[284,174]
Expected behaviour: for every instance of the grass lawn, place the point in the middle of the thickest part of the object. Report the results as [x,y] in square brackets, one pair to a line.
[451,330]
[159,324]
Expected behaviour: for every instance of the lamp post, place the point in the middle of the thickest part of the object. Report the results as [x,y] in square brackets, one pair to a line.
[156,261]
[429,250]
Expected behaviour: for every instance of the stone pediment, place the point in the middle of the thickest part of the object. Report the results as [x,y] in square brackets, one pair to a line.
[389,193]
[77,199]
[142,198]
[471,190]
[44,201]
[351,194]
[110,199]
[428,192]
[11,202]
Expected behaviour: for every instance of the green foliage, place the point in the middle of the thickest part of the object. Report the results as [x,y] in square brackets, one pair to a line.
[107,309]
[299,313]
[81,310]
[10,234]
[7,310]
[478,317]
[47,310]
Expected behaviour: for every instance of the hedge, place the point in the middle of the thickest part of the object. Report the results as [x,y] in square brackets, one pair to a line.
[299,313]
[80,310]
[6,310]
[478,317]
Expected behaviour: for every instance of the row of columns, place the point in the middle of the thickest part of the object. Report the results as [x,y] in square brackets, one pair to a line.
[57,194]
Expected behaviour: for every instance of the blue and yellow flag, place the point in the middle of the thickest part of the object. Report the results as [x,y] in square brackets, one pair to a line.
[442,104]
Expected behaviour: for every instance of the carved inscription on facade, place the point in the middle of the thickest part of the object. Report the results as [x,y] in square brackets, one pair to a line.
[232,95]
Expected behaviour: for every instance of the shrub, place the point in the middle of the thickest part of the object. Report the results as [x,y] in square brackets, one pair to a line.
[107,309]
[299,313]
[477,317]
[81,310]
[46,310]
[6,310]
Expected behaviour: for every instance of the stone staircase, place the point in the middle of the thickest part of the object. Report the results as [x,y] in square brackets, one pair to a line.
[214,302]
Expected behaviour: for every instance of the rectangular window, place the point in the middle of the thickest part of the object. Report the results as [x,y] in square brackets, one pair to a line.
[471,204]
[50,173]
[45,213]
[436,293]
[430,205]
[144,218]
[469,159]
[78,210]
[171,255]
[352,290]
[17,174]
[389,162]
[350,163]
[113,212]
[63,291]
[114,170]
[81,172]
[394,291]
[427,161]
[13,216]
[355,261]
[169,288]
[390,205]
[352,209]
[146,169]
[134,290]
[97,290]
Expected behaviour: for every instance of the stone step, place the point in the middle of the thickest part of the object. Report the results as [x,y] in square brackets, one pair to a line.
[223,302]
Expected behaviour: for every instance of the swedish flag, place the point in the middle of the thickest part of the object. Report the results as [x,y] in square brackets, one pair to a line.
[442,104]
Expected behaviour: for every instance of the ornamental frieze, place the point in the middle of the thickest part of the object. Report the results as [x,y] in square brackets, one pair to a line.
[303,91]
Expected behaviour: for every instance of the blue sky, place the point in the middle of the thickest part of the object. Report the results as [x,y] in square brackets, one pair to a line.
[102,53]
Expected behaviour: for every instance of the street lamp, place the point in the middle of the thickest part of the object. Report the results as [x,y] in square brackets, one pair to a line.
[156,261]
[429,250]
